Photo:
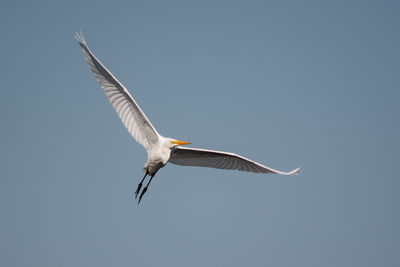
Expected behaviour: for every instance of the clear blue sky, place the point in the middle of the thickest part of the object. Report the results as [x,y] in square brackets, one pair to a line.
[314,84]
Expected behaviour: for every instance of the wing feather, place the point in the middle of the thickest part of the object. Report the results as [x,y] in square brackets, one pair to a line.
[135,121]
[187,156]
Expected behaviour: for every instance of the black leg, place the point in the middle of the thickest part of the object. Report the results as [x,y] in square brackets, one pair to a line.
[145,189]
[140,185]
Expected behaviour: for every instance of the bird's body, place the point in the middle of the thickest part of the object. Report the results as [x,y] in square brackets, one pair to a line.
[158,155]
[160,149]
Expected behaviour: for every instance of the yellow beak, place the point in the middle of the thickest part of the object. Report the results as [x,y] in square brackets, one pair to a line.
[180,143]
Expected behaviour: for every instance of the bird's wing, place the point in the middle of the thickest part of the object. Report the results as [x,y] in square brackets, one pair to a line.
[188,156]
[128,110]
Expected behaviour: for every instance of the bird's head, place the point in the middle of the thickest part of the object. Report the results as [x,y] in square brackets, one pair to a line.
[173,142]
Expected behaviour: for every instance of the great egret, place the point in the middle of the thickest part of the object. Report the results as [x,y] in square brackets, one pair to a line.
[160,149]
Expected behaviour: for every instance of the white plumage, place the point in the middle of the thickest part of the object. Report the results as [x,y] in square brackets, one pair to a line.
[160,149]
[187,156]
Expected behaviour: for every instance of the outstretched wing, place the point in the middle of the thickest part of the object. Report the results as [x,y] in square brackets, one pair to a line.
[188,156]
[135,121]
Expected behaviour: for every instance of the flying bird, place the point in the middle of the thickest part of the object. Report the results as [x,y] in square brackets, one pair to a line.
[160,149]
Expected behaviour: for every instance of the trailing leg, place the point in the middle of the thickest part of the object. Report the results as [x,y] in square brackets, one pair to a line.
[145,189]
[140,185]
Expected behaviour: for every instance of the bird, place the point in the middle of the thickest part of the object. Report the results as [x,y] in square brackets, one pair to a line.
[161,150]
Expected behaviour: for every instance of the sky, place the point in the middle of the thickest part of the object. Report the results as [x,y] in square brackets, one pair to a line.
[313,84]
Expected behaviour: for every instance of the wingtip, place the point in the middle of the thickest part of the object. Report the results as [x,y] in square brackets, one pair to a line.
[80,37]
[295,171]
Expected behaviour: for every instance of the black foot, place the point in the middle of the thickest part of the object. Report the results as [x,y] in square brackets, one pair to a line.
[141,195]
[138,190]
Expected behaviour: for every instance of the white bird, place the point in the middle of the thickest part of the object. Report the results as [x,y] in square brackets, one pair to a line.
[160,149]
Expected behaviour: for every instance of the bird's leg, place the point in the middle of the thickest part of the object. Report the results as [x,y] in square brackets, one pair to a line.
[145,189]
[140,185]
